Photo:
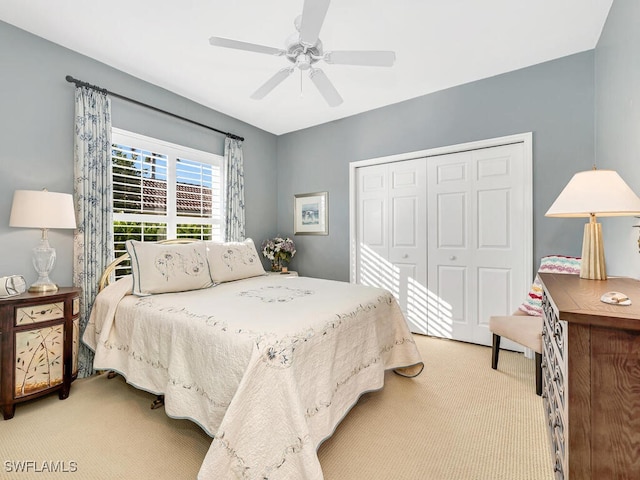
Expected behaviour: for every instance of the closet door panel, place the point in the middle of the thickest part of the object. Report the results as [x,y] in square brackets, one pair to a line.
[453,172]
[448,199]
[451,220]
[405,222]
[373,228]
[499,252]
[407,233]
[494,222]
[373,248]
[448,313]
[411,296]
[392,234]
[492,283]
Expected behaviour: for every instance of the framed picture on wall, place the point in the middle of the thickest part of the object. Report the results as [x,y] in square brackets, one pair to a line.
[311,214]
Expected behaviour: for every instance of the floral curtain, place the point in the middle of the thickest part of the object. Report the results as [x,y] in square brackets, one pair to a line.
[92,247]
[234,201]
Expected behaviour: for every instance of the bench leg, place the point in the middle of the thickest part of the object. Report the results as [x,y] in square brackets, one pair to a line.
[538,373]
[495,351]
[158,402]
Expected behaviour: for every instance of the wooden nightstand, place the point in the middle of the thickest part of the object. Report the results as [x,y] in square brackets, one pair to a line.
[39,335]
[290,273]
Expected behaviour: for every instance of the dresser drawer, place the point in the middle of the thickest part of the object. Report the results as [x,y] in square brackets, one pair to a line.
[559,329]
[39,313]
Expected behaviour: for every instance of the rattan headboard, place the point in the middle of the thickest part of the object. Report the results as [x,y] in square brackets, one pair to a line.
[105,279]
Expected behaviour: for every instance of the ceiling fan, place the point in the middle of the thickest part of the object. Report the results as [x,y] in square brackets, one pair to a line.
[304,49]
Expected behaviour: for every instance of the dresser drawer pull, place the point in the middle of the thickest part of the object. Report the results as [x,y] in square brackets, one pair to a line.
[39,313]
[557,466]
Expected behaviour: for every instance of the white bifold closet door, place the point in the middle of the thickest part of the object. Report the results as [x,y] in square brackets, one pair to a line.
[392,233]
[446,235]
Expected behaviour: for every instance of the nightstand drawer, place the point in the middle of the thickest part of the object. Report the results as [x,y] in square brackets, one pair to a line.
[39,313]
[39,360]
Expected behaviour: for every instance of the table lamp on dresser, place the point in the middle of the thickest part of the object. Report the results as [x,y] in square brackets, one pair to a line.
[44,210]
[593,193]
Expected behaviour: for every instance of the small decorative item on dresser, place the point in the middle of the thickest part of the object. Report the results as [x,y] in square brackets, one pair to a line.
[280,251]
[12,285]
[38,346]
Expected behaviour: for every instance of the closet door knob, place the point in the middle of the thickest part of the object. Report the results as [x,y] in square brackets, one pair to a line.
[406,255]
[452,257]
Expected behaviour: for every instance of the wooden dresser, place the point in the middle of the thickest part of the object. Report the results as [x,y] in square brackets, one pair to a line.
[591,377]
[39,335]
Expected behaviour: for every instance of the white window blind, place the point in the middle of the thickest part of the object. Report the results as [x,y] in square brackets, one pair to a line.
[162,191]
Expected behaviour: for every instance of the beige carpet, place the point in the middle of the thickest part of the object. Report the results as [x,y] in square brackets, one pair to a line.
[458,420]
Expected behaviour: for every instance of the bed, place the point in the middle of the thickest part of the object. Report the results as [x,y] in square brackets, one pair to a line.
[268,365]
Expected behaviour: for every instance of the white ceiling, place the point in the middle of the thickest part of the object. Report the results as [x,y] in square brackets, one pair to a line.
[438,44]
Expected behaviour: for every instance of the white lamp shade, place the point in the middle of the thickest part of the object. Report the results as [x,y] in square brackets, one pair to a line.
[42,209]
[599,192]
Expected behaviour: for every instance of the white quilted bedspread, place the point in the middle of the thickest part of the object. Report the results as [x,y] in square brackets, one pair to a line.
[268,366]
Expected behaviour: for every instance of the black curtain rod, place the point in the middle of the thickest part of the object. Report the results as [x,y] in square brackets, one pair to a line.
[80,83]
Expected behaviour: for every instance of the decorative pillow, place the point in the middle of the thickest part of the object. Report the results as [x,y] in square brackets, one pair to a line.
[233,260]
[164,268]
[548,264]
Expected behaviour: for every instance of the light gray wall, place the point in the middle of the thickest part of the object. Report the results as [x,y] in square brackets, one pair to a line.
[36,139]
[617,80]
[554,100]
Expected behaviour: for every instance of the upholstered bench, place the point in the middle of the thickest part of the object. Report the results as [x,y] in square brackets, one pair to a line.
[520,328]
[525,325]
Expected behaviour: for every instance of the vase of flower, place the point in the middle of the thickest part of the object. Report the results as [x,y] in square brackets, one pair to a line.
[279,251]
[276,265]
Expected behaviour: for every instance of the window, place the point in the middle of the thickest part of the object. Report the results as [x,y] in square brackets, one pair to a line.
[162,191]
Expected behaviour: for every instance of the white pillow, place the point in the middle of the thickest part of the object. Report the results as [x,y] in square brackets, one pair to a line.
[233,260]
[164,268]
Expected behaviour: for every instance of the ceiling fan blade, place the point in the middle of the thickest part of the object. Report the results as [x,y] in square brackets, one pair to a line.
[365,58]
[272,83]
[325,87]
[313,13]
[238,45]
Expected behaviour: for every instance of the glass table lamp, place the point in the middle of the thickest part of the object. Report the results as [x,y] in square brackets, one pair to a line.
[44,210]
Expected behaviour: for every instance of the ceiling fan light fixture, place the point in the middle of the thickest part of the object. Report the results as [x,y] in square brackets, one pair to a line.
[303,61]
[304,50]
